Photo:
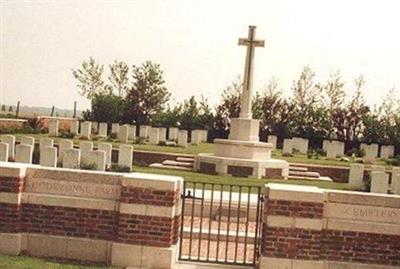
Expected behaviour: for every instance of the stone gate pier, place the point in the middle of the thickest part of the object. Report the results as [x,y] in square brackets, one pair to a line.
[308,227]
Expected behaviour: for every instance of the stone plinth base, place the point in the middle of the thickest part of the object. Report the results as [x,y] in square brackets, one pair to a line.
[243,149]
[244,129]
[212,164]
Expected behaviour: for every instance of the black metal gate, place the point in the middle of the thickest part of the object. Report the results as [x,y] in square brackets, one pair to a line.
[220,223]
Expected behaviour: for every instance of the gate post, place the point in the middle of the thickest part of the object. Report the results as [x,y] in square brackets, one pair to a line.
[292,227]
[149,221]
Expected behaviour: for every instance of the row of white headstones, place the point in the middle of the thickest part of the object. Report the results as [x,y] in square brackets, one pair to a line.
[333,148]
[379,179]
[127,132]
[65,154]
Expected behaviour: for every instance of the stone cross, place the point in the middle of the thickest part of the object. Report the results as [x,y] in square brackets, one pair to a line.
[250,42]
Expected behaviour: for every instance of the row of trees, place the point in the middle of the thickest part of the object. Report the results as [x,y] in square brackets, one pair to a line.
[317,110]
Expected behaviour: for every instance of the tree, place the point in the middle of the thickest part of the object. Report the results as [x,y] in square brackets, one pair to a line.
[106,107]
[230,105]
[334,103]
[305,98]
[89,78]
[119,77]
[148,95]
[355,112]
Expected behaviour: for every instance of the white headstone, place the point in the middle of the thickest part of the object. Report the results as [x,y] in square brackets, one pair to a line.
[370,153]
[10,140]
[28,140]
[53,127]
[154,137]
[23,153]
[95,126]
[356,176]
[331,152]
[125,156]
[74,127]
[273,140]
[107,148]
[123,133]
[63,145]
[97,157]
[183,138]
[387,151]
[205,135]
[287,146]
[324,144]
[197,137]
[102,129]
[173,133]
[132,132]
[86,129]
[3,152]
[72,158]
[379,182]
[45,142]
[48,156]
[162,134]
[144,131]
[85,147]
[115,128]
[396,180]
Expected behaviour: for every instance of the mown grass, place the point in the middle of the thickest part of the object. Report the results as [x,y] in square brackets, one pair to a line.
[23,262]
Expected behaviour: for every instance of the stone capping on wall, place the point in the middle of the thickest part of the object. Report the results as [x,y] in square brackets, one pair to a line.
[343,229]
[124,219]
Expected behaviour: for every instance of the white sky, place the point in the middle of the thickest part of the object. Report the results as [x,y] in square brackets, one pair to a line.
[196,44]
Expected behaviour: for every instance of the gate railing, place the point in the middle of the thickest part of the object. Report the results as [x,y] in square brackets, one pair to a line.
[220,223]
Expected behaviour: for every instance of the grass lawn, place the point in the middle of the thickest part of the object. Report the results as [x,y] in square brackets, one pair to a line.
[189,176]
[22,262]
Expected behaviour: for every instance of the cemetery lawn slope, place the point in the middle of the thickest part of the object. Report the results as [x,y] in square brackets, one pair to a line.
[189,176]
[23,262]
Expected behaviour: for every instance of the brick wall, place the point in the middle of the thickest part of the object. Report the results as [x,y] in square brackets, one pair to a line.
[101,214]
[307,227]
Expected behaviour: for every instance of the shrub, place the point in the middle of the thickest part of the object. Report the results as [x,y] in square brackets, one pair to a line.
[88,166]
[355,152]
[287,155]
[395,161]
[120,168]
[66,134]
[112,136]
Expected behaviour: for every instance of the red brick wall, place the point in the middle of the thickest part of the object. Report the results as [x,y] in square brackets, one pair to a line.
[66,221]
[146,230]
[291,243]
[273,173]
[360,247]
[323,244]
[294,209]
[11,184]
[207,168]
[135,195]
[9,218]
[337,173]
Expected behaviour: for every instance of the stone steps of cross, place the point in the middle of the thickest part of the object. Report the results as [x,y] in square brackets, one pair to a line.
[298,168]
[185,159]
[321,178]
[173,167]
[305,174]
[178,163]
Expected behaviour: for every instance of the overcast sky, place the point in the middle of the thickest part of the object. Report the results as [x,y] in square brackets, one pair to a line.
[196,44]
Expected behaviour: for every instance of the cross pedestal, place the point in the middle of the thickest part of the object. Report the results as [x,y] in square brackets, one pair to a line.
[243,154]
